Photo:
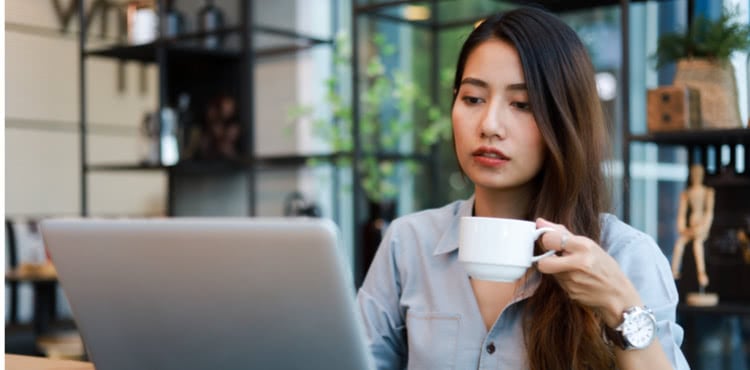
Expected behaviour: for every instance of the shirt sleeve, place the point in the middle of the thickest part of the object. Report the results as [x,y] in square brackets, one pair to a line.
[648,269]
[378,301]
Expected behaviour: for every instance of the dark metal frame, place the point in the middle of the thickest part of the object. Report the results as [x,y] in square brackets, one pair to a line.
[625,110]
[82,106]
[247,94]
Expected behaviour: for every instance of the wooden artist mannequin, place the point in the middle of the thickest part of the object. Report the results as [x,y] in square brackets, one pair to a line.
[694,217]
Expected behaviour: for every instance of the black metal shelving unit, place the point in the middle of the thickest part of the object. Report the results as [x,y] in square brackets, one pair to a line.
[731,136]
[727,271]
[239,59]
[699,141]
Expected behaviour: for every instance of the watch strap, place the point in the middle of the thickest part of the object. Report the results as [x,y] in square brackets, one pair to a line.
[613,337]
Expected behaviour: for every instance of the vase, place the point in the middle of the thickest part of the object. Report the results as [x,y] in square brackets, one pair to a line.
[211,18]
[174,23]
[380,216]
[717,86]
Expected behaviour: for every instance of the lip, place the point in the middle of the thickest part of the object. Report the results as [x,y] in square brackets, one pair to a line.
[479,157]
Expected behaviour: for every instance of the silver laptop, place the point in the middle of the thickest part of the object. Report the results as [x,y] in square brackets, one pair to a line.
[209,293]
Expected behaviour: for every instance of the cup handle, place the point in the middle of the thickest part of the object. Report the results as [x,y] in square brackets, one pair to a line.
[538,233]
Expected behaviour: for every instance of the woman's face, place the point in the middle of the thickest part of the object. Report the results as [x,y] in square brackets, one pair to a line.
[498,144]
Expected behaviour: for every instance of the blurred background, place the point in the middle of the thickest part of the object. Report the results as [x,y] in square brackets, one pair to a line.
[244,108]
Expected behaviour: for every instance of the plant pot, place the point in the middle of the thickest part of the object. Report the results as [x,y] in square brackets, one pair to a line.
[717,85]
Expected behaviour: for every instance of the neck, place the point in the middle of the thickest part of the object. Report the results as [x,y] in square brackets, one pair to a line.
[507,203]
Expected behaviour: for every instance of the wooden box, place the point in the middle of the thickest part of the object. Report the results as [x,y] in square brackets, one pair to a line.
[671,108]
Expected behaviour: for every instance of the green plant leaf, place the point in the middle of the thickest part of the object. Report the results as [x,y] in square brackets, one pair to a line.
[374,68]
[387,168]
[712,39]
[388,49]
[391,102]
[388,142]
[412,166]
[446,78]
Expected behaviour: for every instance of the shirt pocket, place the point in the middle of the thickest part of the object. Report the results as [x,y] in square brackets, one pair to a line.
[432,340]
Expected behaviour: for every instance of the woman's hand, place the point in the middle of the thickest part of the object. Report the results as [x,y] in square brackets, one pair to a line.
[587,273]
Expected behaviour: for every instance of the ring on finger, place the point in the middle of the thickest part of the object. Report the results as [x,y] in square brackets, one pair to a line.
[564,240]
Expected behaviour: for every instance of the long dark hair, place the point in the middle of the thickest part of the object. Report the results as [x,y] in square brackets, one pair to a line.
[571,190]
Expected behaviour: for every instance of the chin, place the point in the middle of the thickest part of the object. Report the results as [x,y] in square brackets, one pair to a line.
[499,182]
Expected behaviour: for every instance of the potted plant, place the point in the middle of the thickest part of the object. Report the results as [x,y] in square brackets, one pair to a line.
[702,55]
[396,117]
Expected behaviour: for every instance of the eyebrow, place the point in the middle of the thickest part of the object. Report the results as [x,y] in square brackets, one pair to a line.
[480,83]
[518,86]
[475,81]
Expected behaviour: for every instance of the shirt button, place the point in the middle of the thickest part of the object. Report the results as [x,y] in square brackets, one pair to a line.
[491,348]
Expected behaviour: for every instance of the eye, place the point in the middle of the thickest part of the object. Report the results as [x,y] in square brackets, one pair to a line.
[521,105]
[471,100]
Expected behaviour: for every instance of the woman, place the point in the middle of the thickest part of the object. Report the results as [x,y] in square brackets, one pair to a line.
[529,133]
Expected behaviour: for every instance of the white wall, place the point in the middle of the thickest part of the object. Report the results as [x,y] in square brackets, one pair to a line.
[42,115]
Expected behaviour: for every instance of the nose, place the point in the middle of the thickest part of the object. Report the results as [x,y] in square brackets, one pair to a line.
[492,124]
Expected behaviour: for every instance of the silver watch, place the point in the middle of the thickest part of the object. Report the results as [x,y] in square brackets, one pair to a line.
[637,330]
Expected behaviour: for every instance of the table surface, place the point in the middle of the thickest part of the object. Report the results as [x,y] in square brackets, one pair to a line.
[31,273]
[723,308]
[17,362]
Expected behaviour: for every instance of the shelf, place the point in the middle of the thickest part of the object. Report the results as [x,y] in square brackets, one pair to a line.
[697,137]
[32,273]
[260,162]
[302,160]
[112,167]
[204,166]
[268,41]
[271,41]
[184,64]
[294,160]
[146,53]
[723,308]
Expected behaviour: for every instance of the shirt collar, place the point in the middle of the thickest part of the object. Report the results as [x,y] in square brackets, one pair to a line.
[533,279]
[449,240]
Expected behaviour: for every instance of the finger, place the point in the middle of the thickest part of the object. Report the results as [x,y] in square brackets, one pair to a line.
[546,238]
[564,278]
[559,241]
[580,254]
[557,264]
[540,222]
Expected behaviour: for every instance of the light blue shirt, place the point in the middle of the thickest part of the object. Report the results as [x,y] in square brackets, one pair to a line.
[419,310]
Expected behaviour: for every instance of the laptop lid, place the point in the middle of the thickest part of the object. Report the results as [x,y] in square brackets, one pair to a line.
[209,293]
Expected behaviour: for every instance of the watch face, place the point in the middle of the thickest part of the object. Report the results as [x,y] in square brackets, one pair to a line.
[639,329]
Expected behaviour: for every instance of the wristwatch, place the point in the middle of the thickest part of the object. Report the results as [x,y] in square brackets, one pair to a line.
[637,330]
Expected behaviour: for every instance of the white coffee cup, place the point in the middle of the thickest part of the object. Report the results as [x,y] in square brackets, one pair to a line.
[498,249]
